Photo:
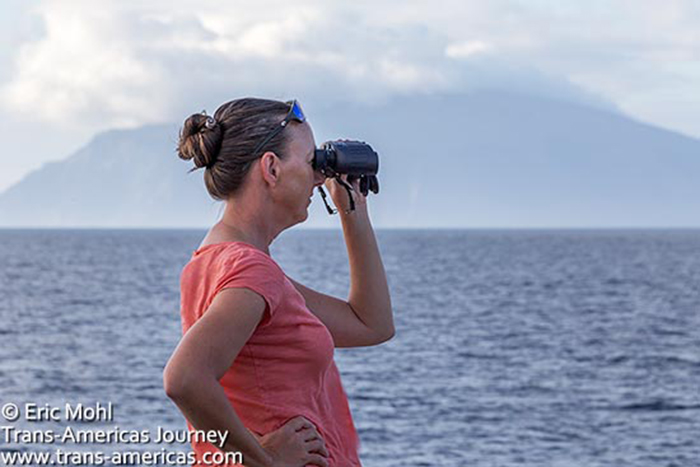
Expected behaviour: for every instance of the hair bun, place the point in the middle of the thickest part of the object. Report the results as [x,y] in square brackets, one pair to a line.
[200,140]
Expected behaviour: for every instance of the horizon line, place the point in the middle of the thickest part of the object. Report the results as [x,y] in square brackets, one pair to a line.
[405,228]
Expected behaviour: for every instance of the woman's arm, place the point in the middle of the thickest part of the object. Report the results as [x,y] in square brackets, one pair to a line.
[366,318]
[369,291]
[205,353]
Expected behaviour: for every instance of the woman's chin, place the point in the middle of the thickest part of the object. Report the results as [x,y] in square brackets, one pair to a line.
[305,214]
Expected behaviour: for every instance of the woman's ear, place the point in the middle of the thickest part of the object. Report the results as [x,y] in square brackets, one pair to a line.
[270,167]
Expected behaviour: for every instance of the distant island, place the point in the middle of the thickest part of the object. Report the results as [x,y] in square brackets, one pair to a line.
[482,159]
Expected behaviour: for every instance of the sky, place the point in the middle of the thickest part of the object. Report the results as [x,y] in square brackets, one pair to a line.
[70,69]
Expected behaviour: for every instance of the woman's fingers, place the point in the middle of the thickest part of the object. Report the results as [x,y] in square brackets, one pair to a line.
[299,423]
[309,434]
[316,459]
[317,445]
[297,442]
[354,183]
[311,437]
[345,193]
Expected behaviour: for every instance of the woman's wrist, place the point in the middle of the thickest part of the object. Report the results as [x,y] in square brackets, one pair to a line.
[258,456]
[269,461]
[360,213]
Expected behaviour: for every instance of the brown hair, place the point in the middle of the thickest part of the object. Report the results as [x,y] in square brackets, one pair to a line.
[224,145]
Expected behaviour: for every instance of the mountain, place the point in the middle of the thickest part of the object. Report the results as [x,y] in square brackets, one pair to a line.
[484,159]
[122,178]
[502,160]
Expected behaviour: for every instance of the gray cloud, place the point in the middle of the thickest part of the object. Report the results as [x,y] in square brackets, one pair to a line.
[127,64]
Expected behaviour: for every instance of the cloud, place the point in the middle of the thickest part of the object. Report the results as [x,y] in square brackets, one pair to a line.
[126,63]
[467,49]
[84,67]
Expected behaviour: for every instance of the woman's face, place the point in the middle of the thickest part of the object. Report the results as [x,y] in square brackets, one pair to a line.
[298,177]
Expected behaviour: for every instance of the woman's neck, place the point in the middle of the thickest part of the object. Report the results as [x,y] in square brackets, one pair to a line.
[245,225]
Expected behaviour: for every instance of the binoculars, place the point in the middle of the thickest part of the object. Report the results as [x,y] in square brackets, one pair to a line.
[355,159]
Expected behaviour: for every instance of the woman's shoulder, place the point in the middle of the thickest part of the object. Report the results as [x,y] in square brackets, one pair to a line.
[230,264]
[234,255]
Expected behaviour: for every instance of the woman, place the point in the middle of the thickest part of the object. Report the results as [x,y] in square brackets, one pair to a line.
[256,358]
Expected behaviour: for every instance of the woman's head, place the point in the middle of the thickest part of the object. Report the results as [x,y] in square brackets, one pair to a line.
[225,144]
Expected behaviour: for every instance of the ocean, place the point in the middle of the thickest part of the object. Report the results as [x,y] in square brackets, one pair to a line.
[512,347]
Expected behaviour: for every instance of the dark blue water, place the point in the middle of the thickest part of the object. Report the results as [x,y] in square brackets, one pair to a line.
[527,348]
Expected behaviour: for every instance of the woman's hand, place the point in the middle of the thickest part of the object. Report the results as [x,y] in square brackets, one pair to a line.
[339,194]
[295,444]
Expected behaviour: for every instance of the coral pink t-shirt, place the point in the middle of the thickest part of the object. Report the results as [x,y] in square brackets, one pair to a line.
[286,368]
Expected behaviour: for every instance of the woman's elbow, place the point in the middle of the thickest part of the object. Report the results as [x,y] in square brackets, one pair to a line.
[175,381]
[389,334]
[386,334]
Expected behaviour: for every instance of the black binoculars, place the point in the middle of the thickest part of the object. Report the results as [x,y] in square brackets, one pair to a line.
[356,159]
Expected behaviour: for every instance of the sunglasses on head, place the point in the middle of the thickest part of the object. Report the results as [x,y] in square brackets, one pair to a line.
[294,114]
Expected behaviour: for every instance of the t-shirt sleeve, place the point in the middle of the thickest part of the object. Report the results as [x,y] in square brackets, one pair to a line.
[255,271]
